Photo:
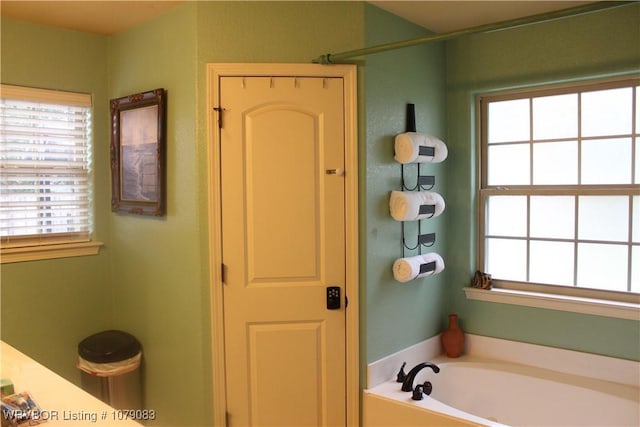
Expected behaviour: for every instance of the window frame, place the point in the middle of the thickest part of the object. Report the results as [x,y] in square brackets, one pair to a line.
[619,304]
[19,248]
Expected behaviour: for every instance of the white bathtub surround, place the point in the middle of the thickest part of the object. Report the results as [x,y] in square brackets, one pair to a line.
[556,359]
[474,391]
[509,382]
[387,406]
[565,361]
[387,368]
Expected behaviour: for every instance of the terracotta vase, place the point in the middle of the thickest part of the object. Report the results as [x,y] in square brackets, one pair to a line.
[452,338]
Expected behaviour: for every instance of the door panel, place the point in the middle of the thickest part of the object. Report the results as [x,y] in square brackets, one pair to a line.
[294,250]
[283,243]
[273,361]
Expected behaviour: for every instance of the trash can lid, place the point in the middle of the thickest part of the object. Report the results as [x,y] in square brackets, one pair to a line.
[108,346]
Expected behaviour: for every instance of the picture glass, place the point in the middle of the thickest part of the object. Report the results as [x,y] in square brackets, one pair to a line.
[139,145]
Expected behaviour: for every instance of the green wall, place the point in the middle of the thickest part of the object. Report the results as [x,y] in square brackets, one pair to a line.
[157,268]
[588,46]
[152,276]
[398,315]
[276,31]
[49,306]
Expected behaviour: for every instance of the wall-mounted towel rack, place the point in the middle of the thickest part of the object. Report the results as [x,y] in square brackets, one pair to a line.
[413,203]
[423,182]
[427,210]
[425,240]
[428,267]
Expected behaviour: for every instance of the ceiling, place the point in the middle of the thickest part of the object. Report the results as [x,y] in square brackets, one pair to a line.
[92,16]
[111,17]
[445,16]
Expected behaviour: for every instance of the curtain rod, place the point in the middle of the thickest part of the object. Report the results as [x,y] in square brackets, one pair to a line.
[330,58]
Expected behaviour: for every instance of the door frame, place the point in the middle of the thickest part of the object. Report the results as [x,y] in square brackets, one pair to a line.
[348,73]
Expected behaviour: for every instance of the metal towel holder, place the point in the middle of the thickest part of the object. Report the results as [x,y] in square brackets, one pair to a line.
[423,183]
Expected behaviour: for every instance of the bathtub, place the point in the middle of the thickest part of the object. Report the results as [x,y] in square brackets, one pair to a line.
[475,390]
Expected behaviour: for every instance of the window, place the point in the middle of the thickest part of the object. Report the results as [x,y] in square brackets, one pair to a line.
[45,179]
[560,190]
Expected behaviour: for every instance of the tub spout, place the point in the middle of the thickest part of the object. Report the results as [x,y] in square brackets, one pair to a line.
[407,384]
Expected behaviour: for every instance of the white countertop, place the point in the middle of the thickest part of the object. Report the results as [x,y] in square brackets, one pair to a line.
[62,402]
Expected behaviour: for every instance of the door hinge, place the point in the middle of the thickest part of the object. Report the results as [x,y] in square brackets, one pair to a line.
[219,110]
[223,269]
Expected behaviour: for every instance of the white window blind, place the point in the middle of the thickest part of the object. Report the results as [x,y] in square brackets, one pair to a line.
[45,166]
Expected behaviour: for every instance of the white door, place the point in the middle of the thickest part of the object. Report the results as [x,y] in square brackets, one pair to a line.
[283,245]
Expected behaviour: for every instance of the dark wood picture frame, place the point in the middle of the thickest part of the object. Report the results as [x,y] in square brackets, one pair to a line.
[138,153]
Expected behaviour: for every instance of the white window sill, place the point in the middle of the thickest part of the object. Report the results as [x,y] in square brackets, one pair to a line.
[597,307]
[34,253]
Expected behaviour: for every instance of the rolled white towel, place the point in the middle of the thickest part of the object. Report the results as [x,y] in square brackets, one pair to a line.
[407,148]
[405,269]
[405,205]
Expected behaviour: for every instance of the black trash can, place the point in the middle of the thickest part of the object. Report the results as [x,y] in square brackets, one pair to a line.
[110,365]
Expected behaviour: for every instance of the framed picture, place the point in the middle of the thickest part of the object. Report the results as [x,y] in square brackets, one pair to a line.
[137,153]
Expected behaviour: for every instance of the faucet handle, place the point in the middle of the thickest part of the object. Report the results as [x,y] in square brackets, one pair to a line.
[427,387]
[401,374]
[417,393]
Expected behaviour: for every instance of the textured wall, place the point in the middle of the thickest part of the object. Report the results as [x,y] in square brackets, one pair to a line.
[589,46]
[49,306]
[399,315]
